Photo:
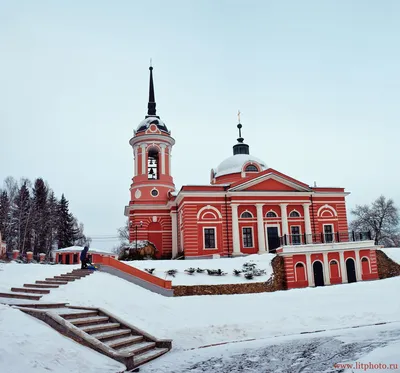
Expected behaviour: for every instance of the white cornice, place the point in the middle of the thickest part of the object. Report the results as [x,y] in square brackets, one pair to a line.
[150,138]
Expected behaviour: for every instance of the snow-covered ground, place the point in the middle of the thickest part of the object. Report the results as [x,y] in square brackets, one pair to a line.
[227,265]
[274,319]
[16,274]
[28,345]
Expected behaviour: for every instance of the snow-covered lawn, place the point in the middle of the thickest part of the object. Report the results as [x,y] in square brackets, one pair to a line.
[28,345]
[227,265]
[17,274]
[201,320]
[393,253]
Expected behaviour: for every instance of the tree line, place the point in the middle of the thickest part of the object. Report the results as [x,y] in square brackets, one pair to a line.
[33,219]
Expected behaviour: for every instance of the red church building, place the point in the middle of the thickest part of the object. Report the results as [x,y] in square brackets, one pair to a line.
[248,208]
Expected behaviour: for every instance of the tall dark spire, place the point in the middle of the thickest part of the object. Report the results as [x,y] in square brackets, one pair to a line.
[151,106]
[240,147]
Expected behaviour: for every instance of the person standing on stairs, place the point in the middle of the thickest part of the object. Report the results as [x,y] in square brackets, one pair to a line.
[85,257]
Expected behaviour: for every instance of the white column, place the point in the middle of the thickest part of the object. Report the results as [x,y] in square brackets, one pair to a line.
[144,168]
[307,222]
[235,230]
[285,227]
[327,277]
[343,270]
[310,274]
[174,234]
[162,146]
[169,160]
[358,265]
[135,154]
[260,228]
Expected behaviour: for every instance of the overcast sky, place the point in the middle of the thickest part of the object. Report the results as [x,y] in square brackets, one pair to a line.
[317,83]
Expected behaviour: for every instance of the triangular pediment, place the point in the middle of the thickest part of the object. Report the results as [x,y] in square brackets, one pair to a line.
[270,181]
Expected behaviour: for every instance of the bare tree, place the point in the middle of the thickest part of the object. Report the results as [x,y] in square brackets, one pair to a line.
[123,235]
[381,218]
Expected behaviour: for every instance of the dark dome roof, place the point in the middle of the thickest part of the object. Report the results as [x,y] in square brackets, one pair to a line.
[145,124]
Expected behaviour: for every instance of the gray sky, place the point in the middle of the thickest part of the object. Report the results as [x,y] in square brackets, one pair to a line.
[317,83]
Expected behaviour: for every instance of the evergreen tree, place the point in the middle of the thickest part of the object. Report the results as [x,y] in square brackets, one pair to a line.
[66,231]
[5,215]
[40,216]
[52,220]
[21,219]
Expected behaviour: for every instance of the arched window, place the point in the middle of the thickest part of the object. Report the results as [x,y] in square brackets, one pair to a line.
[271,214]
[251,168]
[365,266]
[334,269]
[294,214]
[300,272]
[153,164]
[246,214]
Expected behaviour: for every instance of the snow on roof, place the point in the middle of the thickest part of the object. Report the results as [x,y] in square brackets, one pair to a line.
[235,163]
[75,249]
[145,124]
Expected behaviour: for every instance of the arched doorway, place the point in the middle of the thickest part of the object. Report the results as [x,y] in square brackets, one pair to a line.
[318,274]
[300,272]
[155,236]
[351,270]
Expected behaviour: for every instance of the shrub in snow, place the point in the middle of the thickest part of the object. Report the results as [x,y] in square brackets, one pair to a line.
[259,272]
[199,270]
[190,270]
[149,270]
[171,272]
[249,275]
[249,266]
[215,272]
[237,272]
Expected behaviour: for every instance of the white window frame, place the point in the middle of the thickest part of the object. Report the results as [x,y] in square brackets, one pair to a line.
[300,234]
[294,217]
[252,238]
[271,217]
[369,264]
[333,231]
[204,239]
[305,270]
[251,217]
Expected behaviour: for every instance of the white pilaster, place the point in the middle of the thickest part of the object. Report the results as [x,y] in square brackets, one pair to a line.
[260,228]
[162,146]
[235,230]
[285,227]
[135,154]
[343,269]
[327,277]
[307,222]
[144,168]
[169,160]
[174,234]
[358,265]
[310,274]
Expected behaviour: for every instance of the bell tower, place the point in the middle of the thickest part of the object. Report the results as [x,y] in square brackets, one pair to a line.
[152,143]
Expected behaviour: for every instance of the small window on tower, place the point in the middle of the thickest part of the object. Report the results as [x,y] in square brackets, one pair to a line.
[152,165]
[251,168]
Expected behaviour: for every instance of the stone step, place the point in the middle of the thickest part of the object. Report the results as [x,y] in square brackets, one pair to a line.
[76,276]
[70,316]
[124,341]
[137,348]
[112,334]
[41,286]
[100,327]
[30,291]
[20,296]
[59,278]
[52,282]
[45,305]
[148,355]
[89,320]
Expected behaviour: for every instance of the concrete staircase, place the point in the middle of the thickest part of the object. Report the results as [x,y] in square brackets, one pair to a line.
[101,331]
[37,290]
